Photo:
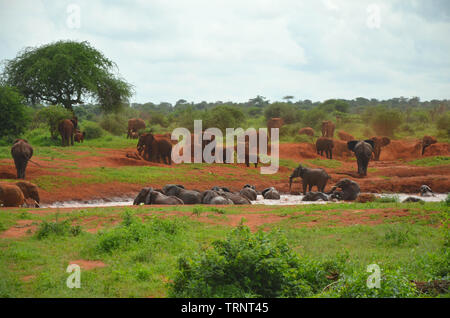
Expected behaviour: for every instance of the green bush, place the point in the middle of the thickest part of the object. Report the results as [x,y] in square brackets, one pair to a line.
[57,228]
[384,121]
[14,114]
[443,123]
[52,115]
[116,124]
[313,118]
[92,130]
[251,265]
[392,284]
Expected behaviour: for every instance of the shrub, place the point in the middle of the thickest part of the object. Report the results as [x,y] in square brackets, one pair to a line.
[92,130]
[14,114]
[250,265]
[383,121]
[58,228]
[443,123]
[157,118]
[116,124]
[52,115]
[392,284]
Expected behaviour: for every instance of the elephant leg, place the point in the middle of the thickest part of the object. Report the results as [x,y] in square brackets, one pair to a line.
[304,188]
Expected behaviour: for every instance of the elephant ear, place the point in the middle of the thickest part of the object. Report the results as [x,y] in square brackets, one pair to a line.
[370,142]
[351,144]
[385,141]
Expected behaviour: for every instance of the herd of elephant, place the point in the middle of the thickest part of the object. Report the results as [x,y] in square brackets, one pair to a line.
[364,150]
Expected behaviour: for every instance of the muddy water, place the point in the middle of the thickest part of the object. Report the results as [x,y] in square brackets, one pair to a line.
[286,199]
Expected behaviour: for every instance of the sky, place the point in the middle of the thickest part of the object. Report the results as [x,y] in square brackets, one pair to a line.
[234,50]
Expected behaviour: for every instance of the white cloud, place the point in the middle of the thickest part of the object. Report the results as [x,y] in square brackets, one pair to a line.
[235,50]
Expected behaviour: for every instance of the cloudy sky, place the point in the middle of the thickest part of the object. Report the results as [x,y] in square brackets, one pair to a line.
[234,50]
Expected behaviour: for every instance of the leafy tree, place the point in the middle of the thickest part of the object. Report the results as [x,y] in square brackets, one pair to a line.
[313,118]
[14,116]
[66,73]
[282,110]
[223,117]
[52,115]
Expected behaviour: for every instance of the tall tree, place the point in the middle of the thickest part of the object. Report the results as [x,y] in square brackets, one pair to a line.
[67,73]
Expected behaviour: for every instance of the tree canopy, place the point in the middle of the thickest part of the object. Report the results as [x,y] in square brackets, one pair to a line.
[67,73]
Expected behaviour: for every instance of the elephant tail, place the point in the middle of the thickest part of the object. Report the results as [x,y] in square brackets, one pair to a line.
[35,163]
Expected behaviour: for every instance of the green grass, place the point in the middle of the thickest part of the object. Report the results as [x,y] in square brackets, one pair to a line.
[141,258]
[431,161]
[326,163]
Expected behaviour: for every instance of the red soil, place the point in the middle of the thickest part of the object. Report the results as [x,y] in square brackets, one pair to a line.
[21,229]
[389,174]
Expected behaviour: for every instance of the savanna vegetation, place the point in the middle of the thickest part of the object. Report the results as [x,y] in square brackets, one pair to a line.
[197,251]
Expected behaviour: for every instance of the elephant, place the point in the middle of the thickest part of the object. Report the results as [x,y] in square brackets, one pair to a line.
[425,191]
[66,129]
[134,125]
[213,197]
[363,152]
[21,152]
[325,144]
[310,178]
[249,192]
[379,142]
[270,194]
[235,197]
[11,196]
[217,188]
[345,136]
[315,196]
[306,131]
[155,149]
[427,141]
[79,136]
[274,123]
[349,190]
[30,191]
[328,129]
[150,196]
[187,196]
[412,199]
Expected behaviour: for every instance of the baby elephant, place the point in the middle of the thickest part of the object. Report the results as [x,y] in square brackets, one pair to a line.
[349,190]
[315,196]
[425,191]
[310,178]
[270,194]
[187,196]
[150,196]
[249,192]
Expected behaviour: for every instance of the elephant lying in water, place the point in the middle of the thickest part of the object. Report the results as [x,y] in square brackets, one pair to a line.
[349,190]
[249,192]
[150,196]
[187,196]
[270,194]
[315,196]
[214,197]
